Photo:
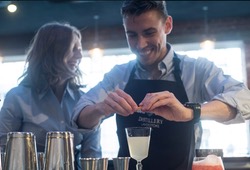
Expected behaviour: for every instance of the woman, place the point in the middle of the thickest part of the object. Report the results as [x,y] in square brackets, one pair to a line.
[44,99]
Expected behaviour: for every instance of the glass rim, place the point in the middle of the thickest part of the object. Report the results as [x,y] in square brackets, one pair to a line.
[138,127]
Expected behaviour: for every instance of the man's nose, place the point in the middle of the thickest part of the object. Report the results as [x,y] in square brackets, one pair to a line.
[141,42]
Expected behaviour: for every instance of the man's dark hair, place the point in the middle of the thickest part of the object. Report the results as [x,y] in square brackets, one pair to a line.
[137,7]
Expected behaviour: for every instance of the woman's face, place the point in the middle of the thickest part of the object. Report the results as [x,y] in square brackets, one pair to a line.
[74,55]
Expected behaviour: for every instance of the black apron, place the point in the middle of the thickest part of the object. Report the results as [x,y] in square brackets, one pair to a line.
[172,143]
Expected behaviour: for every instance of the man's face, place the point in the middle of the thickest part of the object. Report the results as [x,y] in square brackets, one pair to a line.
[146,36]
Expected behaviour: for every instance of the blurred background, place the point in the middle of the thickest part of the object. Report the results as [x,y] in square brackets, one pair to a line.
[226,24]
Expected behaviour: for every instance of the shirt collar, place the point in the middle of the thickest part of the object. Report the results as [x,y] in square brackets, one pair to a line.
[68,90]
[168,59]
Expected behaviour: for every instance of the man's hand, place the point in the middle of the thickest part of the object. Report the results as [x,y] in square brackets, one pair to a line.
[166,105]
[119,102]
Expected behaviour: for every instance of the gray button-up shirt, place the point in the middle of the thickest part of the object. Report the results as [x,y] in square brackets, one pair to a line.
[203,81]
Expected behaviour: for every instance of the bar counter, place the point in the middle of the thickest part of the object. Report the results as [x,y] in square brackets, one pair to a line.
[236,163]
[230,163]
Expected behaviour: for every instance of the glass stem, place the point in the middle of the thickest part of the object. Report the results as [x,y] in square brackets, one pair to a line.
[139,165]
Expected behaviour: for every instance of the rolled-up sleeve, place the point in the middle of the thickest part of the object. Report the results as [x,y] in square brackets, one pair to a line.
[204,82]
[116,78]
[240,100]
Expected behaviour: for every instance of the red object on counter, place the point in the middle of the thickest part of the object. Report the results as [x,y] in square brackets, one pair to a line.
[206,167]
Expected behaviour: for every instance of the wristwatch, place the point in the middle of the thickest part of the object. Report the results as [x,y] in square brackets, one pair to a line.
[196,107]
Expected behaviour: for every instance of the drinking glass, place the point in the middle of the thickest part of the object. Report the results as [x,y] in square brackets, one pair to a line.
[138,143]
[210,162]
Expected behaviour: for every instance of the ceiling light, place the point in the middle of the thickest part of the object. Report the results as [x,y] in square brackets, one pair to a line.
[12,8]
[96,52]
[208,42]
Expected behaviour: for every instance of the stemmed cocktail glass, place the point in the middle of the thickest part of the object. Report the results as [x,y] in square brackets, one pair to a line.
[138,143]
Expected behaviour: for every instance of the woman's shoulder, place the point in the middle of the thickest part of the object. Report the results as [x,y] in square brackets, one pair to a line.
[19,90]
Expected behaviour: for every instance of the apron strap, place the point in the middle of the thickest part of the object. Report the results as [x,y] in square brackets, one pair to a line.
[177,73]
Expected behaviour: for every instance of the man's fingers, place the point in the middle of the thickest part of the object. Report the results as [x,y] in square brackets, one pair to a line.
[119,104]
[128,98]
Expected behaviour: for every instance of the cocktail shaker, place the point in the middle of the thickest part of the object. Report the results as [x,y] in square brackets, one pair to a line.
[40,158]
[20,151]
[59,151]
[102,164]
[89,163]
[121,163]
[2,151]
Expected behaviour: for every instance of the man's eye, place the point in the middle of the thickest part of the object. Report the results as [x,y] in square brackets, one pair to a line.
[149,33]
[131,35]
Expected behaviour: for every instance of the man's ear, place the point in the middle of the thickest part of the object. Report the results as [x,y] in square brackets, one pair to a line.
[168,25]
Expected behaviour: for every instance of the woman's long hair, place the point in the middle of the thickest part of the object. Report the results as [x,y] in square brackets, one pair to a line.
[47,55]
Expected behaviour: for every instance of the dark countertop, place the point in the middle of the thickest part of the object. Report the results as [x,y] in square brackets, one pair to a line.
[236,163]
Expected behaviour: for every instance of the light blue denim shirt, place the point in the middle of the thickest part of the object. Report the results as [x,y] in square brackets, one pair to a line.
[203,82]
[24,110]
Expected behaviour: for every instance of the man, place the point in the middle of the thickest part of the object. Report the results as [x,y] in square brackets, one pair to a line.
[154,89]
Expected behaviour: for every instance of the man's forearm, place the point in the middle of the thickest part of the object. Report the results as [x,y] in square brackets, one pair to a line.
[218,111]
[89,117]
